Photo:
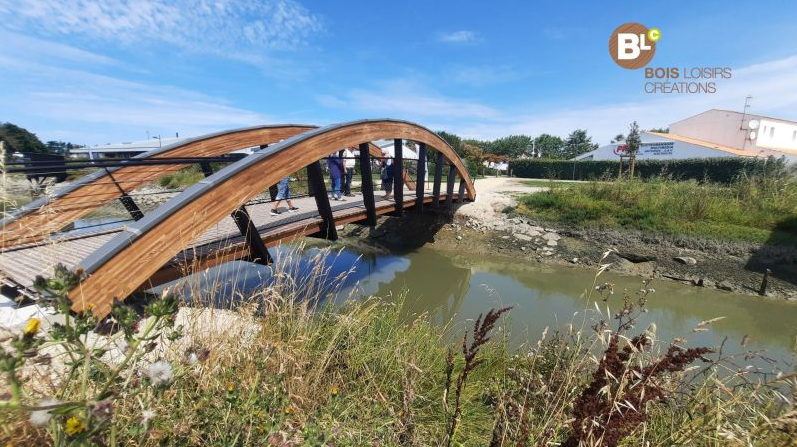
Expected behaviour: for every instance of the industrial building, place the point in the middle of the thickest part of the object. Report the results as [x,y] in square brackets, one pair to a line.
[122,150]
[713,133]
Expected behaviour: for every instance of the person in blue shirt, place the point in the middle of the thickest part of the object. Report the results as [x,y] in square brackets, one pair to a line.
[336,172]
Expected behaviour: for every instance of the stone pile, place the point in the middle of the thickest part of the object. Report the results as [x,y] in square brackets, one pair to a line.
[530,237]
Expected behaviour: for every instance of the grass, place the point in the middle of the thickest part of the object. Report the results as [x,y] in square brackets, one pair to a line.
[182,178]
[280,370]
[548,183]
[753,209]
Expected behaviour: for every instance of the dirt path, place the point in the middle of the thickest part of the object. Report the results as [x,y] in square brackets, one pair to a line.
[493,195]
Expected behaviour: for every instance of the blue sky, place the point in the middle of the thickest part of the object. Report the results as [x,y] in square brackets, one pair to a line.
[103,71]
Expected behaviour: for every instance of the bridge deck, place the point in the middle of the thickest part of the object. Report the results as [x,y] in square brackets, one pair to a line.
[20,265]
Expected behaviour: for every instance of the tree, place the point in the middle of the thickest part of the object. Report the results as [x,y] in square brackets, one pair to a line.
[618,138]
[512,146]
[453,140]
[577,143]
[18,139]
[549,146]
[660,130]
[632,144]
[476,155]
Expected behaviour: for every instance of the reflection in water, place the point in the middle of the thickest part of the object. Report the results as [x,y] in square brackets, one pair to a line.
[458,288]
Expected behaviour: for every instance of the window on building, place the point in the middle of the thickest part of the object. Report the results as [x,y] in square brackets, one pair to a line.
[771,131]
[764,131]
[794,136]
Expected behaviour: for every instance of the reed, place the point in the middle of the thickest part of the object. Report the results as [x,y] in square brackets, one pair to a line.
[283,366]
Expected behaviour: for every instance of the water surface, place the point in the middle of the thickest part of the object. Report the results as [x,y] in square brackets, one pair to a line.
[457,288]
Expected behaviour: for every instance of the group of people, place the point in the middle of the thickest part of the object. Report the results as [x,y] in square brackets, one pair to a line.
[341,167]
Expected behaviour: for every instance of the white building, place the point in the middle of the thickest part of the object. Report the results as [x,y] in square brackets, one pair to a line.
[714,133]
[739,130]
[122,150]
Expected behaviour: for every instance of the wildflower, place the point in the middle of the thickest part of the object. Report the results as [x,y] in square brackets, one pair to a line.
[230,387]
[74,426]
[147,415]
[160,372]
[334,390]
[32,326]
[42,417]
[289,410]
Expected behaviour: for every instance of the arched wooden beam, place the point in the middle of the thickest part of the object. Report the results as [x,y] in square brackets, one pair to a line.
[124,263]
[48,215]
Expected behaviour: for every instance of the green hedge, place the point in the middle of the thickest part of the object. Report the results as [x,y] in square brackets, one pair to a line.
[721,170]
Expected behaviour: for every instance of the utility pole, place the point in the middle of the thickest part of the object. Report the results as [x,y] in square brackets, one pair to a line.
[744,115]
[744,111]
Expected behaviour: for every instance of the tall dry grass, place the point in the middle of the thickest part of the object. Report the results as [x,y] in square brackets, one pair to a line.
[281,366]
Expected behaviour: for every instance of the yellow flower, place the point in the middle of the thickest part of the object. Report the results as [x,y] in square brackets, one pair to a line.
[230,387]
[74,426]
[289,410]
[334,390]
[33,326]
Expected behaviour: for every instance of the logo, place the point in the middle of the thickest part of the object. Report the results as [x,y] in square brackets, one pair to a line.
[632,45]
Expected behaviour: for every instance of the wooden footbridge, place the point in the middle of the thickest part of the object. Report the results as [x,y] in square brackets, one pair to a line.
[221,218]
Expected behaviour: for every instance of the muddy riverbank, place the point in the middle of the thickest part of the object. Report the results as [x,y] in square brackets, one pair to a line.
[481,228]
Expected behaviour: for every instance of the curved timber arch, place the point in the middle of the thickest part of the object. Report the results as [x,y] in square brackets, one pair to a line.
[48,215]
[128,260]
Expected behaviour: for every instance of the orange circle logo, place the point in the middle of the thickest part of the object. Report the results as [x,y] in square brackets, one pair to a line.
[632,45]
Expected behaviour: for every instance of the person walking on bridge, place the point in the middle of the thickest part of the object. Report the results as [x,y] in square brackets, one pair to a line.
[283,193]
[336,171]
[349,163]
[386,175]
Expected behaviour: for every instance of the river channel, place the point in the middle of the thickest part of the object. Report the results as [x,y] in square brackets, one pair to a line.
[454,289]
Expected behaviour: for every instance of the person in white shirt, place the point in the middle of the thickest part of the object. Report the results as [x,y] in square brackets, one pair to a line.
[349,163]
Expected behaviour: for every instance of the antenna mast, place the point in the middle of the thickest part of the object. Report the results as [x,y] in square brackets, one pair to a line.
[744,112]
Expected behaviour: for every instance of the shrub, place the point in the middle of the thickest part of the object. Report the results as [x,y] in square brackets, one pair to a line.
[720,170]
[754,208]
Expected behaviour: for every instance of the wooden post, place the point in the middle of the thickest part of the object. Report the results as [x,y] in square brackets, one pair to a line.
[398,176]
[207,170]
[438,177]
[368,184]
[258,252]
[316,179]
[130,206]
[420,186]
[127,201]
[763,289]
[452,174]
[461,196]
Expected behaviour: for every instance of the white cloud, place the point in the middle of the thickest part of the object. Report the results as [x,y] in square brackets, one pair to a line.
[484,75]
[459,37]
[242,29]
[102,109]
[771,84]
[406,99]
[18,46]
